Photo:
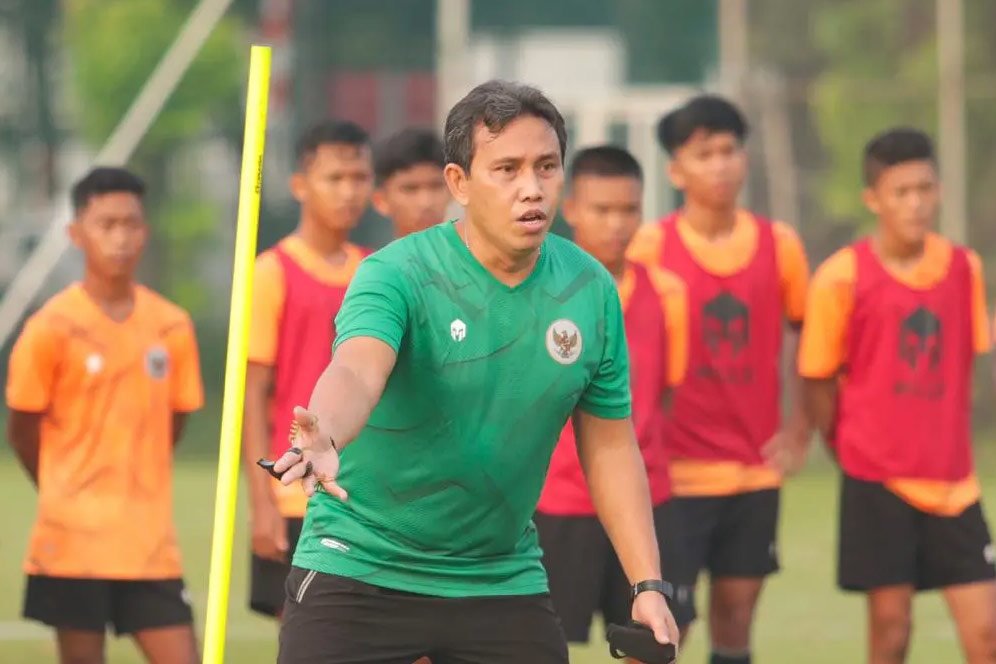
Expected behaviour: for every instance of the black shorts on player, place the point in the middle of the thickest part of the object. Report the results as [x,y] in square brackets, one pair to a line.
[336,620]
[586,576]
[885,541]
[729,536]
[267,577]
[93,605]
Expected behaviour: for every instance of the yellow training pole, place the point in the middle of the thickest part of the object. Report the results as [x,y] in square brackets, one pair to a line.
[235,362]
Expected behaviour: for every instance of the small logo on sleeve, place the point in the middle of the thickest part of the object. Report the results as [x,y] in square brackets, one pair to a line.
[458,330]
[563,341]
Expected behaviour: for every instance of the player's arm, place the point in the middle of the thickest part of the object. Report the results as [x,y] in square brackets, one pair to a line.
[674,301]
[31,376]
[24,435]
[822,346]
[982,332]
[186,387]
[255,430]
[793,268]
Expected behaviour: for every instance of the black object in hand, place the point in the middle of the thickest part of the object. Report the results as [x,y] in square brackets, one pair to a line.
[268,465]
[636,641]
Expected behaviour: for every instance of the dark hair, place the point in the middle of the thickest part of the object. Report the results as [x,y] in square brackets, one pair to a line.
[605,161]
[709,112]
[495,104]
[407,148]
[895,146]
[327,133]
[105,180]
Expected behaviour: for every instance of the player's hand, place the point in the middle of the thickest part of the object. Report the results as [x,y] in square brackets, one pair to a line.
[269,530]
[787,449]
[650,608]
[313,458]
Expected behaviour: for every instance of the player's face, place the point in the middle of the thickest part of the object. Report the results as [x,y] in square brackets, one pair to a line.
[413,199]
[514,184]
[334,186]
[906,198]
[710,169]
[605,213]
[111,232]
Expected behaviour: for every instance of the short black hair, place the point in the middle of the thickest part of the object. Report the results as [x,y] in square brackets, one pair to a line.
[495,104]
[105,180]
[605,161]
[895,146]
[711,113]
[408,147]
[328,133]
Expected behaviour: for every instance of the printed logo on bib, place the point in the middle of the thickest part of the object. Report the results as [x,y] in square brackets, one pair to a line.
[157,362]
[726,335]
[920,344]
[563,341]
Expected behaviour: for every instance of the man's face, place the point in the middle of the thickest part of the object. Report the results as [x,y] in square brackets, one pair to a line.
[513,187]
[710,169]
[413,199]
[334,185]
[111,232]
[905,198]
[605,213]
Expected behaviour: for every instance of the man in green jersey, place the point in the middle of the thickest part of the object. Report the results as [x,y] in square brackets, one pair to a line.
[460,353]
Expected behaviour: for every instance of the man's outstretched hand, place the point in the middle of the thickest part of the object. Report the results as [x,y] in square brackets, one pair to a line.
[312,458]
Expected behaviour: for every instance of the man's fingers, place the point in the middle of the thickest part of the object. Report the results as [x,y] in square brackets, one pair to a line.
[310,484]
[305,419]
[333,488]
[288,459]
[294,472]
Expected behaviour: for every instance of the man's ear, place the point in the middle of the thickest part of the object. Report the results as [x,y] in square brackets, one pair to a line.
[870,199]
[379,202]
[297,186]
[457,181]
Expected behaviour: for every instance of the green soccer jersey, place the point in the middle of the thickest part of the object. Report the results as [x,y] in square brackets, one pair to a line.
[444,479]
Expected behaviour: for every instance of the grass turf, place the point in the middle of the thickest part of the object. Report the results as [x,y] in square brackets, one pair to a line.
[803,618]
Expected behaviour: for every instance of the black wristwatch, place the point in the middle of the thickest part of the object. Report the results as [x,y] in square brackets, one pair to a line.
[654,585]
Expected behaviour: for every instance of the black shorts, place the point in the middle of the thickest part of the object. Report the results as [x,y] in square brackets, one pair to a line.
[335,620]
[96,604]
[585,574]
[885,541]
[730,536]
[267,577]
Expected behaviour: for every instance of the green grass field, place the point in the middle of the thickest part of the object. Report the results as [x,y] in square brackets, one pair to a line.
[803,618]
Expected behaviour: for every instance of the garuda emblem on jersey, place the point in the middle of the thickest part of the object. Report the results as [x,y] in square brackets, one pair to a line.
[563,341]
[157,362]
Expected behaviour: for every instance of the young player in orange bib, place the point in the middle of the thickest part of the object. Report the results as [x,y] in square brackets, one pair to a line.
[100,383]
[893,324]
[604,209]
[298,288]
[746,277]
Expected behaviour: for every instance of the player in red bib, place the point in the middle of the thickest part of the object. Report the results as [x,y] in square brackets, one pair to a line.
[745,277]
[893,323]
[604,210]
[411,190]
[297,290]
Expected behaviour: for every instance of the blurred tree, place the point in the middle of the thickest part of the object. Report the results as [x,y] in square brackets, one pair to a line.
[114,45]
[880,72]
